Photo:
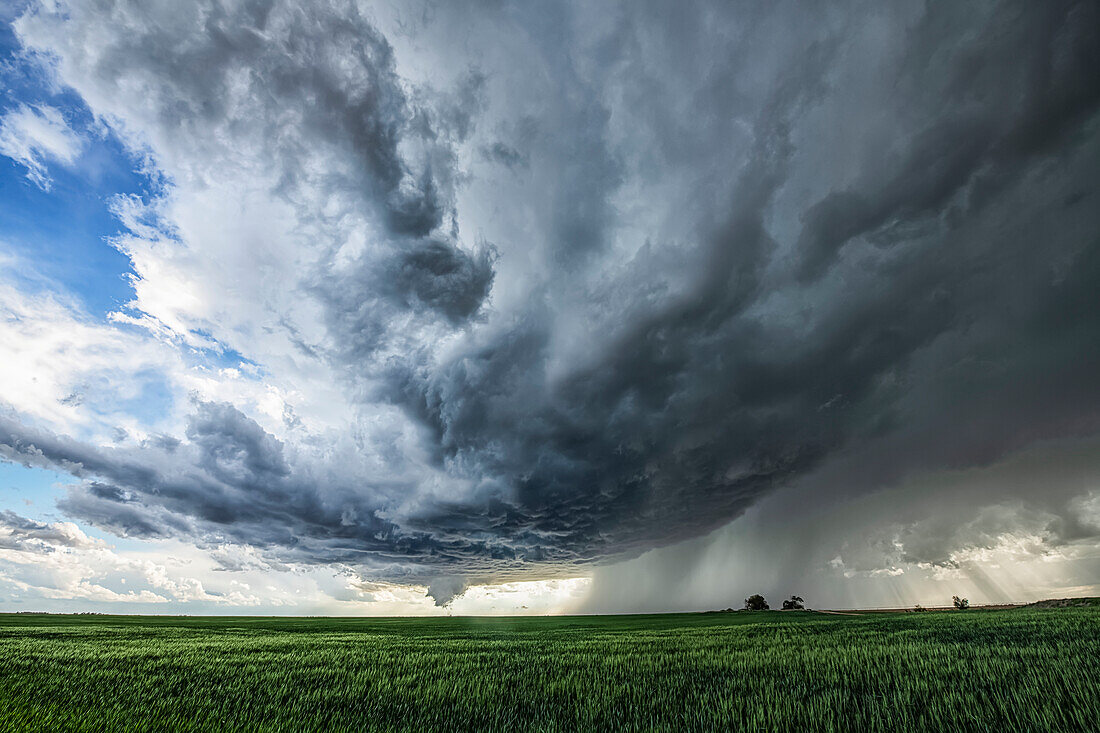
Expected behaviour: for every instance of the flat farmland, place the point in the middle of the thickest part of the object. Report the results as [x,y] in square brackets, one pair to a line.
[1017,669]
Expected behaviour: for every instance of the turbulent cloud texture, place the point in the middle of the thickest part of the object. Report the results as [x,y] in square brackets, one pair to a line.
[522,288]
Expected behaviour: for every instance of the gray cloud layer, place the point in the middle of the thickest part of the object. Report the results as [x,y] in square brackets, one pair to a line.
[20,533]
[728,241]
[1017,530]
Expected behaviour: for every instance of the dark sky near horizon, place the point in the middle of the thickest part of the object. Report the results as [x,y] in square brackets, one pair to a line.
[467,293]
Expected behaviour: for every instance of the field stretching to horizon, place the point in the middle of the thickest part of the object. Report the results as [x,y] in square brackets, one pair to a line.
[1018,669]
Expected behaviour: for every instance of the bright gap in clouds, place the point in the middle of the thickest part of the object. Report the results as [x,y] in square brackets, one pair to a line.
[31,491]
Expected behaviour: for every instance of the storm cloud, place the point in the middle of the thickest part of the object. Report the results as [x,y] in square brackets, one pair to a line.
[588,281]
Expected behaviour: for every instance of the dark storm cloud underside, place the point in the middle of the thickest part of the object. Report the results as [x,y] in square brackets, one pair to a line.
[702,404]
[973,254]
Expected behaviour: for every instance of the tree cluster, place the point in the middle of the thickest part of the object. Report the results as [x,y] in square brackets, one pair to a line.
[757,603]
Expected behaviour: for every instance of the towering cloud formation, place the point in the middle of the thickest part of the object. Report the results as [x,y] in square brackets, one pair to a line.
[542,286]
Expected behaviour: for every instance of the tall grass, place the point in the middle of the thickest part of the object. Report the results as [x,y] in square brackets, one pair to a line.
[980,671]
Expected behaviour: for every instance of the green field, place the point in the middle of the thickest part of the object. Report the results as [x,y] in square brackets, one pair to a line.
[1022,669]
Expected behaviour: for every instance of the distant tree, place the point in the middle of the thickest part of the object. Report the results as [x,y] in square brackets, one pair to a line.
[795,603]
[918,608]
[756,603]
[960,603]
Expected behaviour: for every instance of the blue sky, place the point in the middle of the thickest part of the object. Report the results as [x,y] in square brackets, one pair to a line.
[65,231]
[31,491]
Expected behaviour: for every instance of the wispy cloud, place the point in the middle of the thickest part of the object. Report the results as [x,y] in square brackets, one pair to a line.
[34,136]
